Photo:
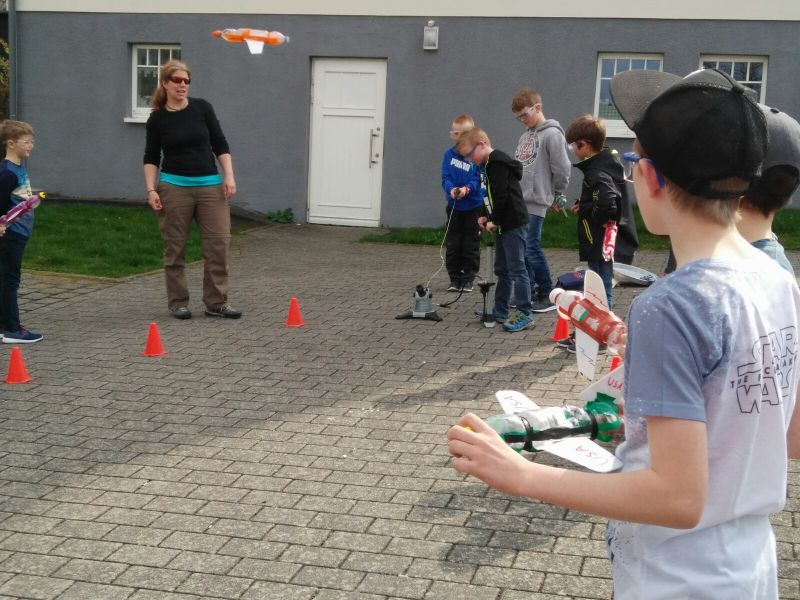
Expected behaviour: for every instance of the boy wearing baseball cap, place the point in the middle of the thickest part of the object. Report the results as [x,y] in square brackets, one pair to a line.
[710,380]
[780,175]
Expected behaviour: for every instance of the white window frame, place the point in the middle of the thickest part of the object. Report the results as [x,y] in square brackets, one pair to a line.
[732,58]
[140,114]
[616,128]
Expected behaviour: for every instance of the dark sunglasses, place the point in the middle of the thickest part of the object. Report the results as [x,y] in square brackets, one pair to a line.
[175,79]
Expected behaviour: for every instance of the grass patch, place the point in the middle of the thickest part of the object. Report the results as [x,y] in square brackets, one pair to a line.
[559,231]
[787,228]
[100,240]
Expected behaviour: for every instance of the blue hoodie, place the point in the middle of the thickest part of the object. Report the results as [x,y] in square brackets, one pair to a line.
[457,172]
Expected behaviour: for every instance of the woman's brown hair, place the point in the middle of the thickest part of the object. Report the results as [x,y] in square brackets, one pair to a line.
[159,98]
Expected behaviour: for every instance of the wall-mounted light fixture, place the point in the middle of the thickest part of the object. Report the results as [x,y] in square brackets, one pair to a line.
[430,37]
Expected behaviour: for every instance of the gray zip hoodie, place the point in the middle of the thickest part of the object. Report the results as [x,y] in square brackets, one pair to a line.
[546,165]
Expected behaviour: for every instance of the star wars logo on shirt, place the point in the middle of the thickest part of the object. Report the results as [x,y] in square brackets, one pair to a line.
[767,379]
[528,148]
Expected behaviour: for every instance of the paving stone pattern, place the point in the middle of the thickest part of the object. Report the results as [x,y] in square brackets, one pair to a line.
[256,461]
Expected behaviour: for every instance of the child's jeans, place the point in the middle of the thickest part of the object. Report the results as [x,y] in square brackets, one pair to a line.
[606,271]
[509,267]
[11,249]
[535,260]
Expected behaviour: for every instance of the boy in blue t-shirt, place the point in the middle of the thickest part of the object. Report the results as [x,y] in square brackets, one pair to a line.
[462,191]
[711,382]
[772,191]
[15,187]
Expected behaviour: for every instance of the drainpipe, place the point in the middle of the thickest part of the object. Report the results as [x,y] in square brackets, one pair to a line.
[12,59]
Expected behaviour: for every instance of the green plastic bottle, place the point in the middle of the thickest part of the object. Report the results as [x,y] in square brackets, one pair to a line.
[522,431]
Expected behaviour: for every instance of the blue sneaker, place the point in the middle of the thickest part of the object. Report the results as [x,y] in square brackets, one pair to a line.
[520,321]
[23,336]
[498,317]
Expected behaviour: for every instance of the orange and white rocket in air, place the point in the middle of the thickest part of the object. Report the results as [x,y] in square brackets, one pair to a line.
[255,38]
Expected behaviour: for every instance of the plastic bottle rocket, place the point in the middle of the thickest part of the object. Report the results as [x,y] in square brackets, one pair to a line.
[528,430]
[271,38]
[22,208]
[601,325]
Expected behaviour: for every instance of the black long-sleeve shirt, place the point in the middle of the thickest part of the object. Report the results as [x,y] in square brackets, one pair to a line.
[189,139]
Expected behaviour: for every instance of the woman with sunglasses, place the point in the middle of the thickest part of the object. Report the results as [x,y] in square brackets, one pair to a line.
[183,137]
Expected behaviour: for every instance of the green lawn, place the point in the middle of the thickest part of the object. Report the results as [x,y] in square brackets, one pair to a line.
[98,239]
[559,231]
[116,241]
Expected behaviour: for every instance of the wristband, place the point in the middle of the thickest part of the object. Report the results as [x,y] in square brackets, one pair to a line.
[148,191]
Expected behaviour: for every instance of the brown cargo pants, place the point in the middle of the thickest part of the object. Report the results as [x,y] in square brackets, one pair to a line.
[208,207]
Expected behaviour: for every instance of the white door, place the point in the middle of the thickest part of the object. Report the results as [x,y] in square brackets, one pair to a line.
[346,163]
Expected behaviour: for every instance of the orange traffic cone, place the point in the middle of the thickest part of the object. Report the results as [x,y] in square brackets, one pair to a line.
[615,362]
[561,331]
[294,318]
[17,373]
[153,346]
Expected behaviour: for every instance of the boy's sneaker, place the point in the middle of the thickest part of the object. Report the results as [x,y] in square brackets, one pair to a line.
[225,311]
[23,336]
[542,304]
[453,287]
[567,342]
[498,317]
[466,288]
[520,321]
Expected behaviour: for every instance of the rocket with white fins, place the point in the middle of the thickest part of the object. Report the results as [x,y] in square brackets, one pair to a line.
[254,38]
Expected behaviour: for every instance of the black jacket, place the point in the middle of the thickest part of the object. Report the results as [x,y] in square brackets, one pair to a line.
[600,202]
[507,208]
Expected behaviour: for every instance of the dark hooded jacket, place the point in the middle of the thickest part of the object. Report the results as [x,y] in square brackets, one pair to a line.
[603,196]
[504,194]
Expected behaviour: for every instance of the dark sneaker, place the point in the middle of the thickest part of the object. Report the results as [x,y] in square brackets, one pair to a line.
[225,311]
[181,312]
[542,304]
[23,336]
[567,342]
[520,321]
[453,287]
[466,288]
[498,317]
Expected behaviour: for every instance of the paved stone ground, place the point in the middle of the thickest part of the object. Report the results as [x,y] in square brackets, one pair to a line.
[256,461]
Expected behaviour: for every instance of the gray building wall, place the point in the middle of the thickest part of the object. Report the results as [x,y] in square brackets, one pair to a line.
[75,88]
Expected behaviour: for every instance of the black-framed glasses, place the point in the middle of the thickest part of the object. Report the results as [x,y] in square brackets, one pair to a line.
[631,158]
[178,80]
[469,154]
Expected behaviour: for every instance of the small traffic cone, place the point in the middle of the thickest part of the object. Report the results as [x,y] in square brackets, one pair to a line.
[17,373]
[294,318]
[153,346]
[615,362]
[561,331]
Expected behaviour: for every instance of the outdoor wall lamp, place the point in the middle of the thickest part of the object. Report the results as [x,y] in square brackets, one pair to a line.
[430,37]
